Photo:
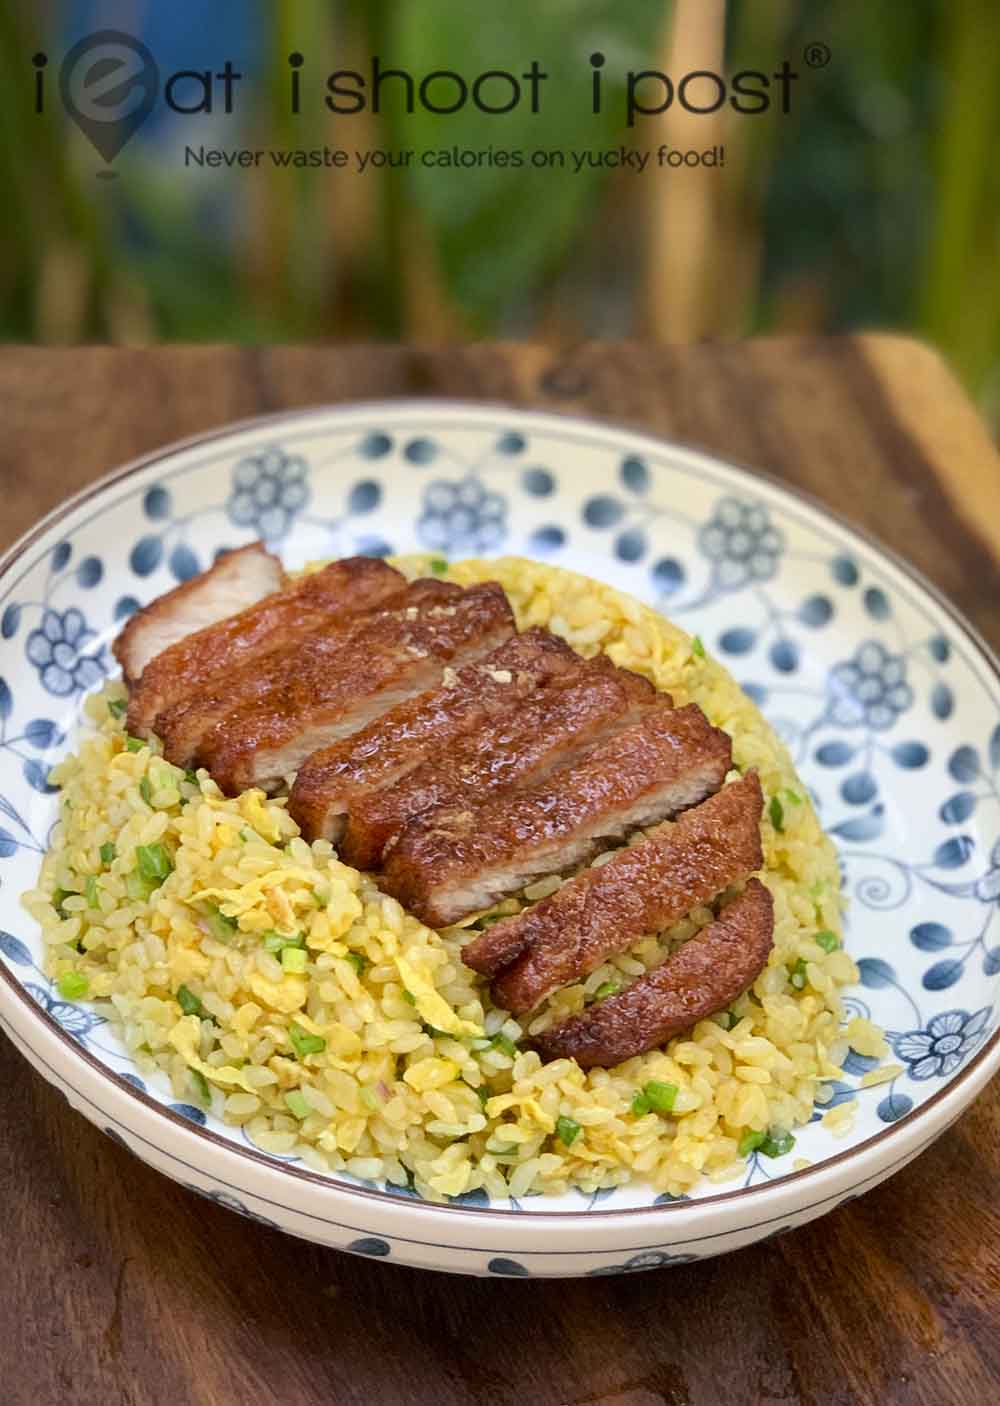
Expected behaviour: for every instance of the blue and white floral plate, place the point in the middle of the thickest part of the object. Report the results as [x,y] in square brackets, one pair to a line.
[890,704]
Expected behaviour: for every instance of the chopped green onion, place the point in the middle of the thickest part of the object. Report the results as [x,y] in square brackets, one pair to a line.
[154,862]
[792,797]
[90,888]
[750,1142]
[108,853]
[297,1104]
[133,744]
[138,887]
[503,1042]
[438,565]
[303,1042]
[59,897]
[293,959]
[277,942]
[829,941]
[435,1033]
[146,790]
[777,813]
[72,985]
[201,1085]
[488,919]
[640,1105]
[660,1096]
[777,1146]
[219,925]
[799,975]
[818,889]
[189,1002]
[117,707]
[725,1020]
[697,648]
[409,997]
[607,988]
[357,961]
[483,1094]
[191,776]
[567,1131]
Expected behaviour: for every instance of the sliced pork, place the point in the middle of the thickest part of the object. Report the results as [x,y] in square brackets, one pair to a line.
[643,889]
[343,589]
[185,724]
[395,744]
[237,580]
[512,749]
[334,686]
[453,861]
[703,976]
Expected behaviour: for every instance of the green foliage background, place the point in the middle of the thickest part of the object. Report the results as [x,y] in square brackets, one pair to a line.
[875,204]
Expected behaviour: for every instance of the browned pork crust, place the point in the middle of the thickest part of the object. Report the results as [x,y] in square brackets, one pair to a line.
[452,861]
[186,724]
[643,889]
[235,581]
[342,589]
[395,744]
[510,750]
[706,975]
[332,688]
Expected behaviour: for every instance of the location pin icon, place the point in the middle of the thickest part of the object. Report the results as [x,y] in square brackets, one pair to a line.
[109,84]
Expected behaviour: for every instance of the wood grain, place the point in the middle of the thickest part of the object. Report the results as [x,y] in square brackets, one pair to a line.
[119,1287]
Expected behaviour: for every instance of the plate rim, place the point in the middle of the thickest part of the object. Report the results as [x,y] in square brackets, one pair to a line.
[951,1092]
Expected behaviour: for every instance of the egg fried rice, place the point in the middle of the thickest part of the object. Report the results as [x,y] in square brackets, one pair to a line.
[268,982]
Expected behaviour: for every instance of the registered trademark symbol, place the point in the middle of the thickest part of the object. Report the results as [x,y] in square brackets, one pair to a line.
[817,55]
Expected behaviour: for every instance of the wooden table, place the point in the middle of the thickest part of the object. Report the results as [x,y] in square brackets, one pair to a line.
[118,1287]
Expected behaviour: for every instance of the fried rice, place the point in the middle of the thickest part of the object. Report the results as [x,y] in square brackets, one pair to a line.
[264,980]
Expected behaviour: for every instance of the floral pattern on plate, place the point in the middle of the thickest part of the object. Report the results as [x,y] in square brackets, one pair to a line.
[890,709]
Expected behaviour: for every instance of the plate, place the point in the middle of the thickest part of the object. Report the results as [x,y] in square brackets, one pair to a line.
[888,701]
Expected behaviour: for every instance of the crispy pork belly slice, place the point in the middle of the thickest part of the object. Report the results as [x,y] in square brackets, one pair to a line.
[392,746]
[235,581]
[328,692]
[183,726]
[702,977]
[344,588]
[514,749]
[643,889]
[453,861]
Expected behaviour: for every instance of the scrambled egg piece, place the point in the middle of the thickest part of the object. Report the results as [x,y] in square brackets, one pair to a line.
[257,815]
[430,1004]
[289,994]
[185,1036]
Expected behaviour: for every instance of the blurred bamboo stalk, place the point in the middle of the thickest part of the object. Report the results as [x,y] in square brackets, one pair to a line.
[752,147]
[430,314]
[425,310]
[62,293]
[288,254]
[269,248]
[960,306]
[352,206]
[682,202]
[129,316]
